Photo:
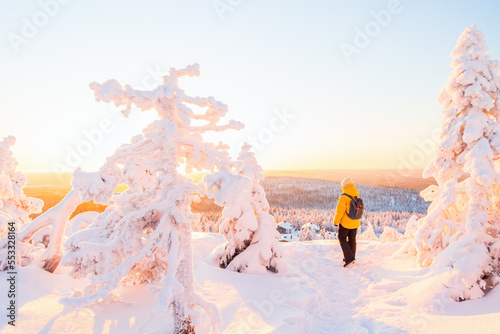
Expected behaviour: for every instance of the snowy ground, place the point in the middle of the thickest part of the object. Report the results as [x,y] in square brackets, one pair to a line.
[379,294]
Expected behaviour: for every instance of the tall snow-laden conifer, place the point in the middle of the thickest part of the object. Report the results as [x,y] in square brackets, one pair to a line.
[145,234]
[460,233]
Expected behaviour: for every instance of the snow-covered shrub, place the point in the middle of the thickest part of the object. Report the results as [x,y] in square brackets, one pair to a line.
[390,235]
[252,239]
[368,233]
[462,223]
[411,227]
[145,234]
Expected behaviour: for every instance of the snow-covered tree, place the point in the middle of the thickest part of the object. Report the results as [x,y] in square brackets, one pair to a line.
[460,231]
[368,234]
[411,227]
[390,234]
[252,239]
[308,232]
[145,234]
[15,206]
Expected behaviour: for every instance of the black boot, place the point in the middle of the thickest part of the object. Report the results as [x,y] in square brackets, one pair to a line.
[348,264]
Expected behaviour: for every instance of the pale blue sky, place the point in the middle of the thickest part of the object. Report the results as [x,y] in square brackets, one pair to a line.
[264,55]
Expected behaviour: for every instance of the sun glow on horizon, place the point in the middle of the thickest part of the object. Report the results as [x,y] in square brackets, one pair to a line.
[363,114]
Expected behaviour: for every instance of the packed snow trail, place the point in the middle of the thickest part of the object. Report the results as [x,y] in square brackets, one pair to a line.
[378,294]
[332,306]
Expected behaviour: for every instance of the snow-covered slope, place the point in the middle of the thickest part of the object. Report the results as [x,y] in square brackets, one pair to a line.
[379,294]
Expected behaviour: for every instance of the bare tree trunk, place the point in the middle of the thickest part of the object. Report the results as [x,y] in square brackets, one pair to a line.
[182,324]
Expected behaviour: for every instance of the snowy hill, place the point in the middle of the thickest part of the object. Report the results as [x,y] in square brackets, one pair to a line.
[379,294]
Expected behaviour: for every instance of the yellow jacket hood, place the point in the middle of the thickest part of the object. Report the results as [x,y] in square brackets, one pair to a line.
[350,190]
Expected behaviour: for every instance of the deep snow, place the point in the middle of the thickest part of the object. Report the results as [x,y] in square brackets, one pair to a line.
[379,294]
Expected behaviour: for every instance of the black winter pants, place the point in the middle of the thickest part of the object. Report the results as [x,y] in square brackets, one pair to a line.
[347,239]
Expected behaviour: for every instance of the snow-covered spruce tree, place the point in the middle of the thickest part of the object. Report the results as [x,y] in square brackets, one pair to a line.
[145,235]
[307,233]
[460,233]
[15,206]
[252,239]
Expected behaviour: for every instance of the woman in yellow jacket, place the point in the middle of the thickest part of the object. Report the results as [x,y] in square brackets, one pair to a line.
[347,226]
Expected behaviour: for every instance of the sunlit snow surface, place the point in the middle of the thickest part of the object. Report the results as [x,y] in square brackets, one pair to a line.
[378,294]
